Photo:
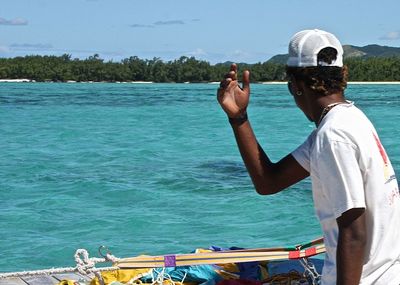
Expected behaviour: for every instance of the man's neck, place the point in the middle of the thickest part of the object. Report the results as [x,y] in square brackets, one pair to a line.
[323,104]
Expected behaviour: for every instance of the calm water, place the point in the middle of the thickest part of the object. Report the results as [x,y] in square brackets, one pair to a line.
[150,168]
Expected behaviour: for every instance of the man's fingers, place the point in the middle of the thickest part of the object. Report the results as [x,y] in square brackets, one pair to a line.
[231,74]
[233,71]
[224,83]
[246,81]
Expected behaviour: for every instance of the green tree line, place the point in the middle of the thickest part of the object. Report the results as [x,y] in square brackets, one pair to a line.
[185,69]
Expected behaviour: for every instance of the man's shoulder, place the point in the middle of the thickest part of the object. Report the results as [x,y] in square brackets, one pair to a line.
[346,124]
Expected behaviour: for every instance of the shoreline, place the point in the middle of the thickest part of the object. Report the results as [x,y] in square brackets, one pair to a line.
[350,82]
[24,80]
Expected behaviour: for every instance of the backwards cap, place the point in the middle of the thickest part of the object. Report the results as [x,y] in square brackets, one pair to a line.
[305,46]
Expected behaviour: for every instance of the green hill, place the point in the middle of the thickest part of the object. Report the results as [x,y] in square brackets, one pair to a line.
[379,51]
[353,51]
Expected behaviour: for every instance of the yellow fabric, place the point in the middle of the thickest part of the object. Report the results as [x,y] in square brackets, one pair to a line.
[230,267]
[120,275]
[126,275]
[227,275]
[201,250]
[228,271]
[67,282]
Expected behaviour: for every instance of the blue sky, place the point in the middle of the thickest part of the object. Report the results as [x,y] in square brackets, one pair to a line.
[213,30]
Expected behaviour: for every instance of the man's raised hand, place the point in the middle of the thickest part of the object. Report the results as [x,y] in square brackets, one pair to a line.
[233,99]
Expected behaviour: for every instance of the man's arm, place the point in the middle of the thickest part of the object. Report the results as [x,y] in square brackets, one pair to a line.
[351,246]
[267,177]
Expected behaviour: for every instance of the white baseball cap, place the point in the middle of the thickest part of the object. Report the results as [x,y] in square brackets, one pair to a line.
[305,46]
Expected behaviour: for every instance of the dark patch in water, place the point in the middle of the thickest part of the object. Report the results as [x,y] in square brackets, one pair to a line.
[224,166]
[223,171]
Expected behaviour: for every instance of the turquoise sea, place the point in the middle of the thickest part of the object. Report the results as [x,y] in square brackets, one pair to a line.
[150,169]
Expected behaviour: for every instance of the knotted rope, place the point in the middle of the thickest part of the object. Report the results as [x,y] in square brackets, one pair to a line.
[84,265]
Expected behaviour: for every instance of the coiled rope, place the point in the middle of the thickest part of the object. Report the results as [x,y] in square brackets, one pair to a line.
[84,265]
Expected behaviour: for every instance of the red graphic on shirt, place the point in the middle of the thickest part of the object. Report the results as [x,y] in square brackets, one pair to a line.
[384,157]
[381,150]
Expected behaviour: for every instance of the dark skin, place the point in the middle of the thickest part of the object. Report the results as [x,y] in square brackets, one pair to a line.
[270,178]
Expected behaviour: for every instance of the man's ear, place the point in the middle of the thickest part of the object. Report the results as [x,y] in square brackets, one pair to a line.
[297,86]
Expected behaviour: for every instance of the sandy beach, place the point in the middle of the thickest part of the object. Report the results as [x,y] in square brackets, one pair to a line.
[374,82]
[16,80]
[23,80]
[350,82]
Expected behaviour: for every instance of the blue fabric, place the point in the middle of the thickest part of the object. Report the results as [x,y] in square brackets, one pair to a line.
[284,266]
[206,274]
[202,274]
[217,248]
[247,270]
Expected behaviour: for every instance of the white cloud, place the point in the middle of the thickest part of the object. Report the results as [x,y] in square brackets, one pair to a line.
[13,22]
[26,46]
[395,35]
[4,49]
[237,56]
[197,53]
[240,54]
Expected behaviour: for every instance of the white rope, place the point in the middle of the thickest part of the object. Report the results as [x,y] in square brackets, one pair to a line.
[84,265]
[184,277]
[310,271]
[160,277]
[37,272]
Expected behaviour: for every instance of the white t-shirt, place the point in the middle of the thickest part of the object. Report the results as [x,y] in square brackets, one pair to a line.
[349,169]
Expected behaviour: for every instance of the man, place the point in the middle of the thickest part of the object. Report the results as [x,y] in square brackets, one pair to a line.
[355,191]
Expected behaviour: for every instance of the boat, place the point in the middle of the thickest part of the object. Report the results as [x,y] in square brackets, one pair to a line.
[213,266]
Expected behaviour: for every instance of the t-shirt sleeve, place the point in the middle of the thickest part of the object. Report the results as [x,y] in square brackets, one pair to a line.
[340,177]
[302,153]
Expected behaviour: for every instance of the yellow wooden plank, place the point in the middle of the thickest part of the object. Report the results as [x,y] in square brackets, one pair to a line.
[210,258]
[206,255]
[198,261]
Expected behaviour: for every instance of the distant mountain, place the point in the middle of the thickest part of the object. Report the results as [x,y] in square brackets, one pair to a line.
[229,63]
[378,51]
[353,51]
[279,58]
